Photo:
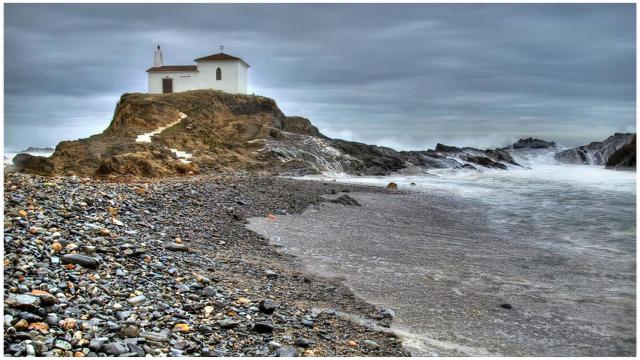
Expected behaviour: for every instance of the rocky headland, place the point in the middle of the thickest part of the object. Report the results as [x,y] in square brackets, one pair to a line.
[207,131]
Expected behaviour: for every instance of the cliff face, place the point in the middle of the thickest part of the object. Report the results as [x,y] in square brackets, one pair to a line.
[154,135]
[596,153]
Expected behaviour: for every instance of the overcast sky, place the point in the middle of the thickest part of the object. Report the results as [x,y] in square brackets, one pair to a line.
[405,76]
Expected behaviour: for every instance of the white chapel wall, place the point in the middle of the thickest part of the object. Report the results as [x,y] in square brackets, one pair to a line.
[234,78]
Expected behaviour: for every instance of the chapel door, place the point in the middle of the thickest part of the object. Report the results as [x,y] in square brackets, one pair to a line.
[167,86]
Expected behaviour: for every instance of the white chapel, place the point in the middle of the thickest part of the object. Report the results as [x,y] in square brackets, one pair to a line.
[218,71]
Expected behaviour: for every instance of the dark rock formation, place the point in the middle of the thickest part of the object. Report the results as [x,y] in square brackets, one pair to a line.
[444,156]
[430,160]
[377,160]
[501,155]
[624,157]
[446,148]
[36,164]
[596,153]
[484,161]
[532,143]
[345,200]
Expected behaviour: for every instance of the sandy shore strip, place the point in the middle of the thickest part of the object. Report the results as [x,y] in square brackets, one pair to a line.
[168,268]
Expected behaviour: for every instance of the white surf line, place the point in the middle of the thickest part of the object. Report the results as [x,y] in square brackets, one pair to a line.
[420,342]
[181,155]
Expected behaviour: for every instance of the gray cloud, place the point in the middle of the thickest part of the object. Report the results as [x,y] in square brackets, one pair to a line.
[406,75]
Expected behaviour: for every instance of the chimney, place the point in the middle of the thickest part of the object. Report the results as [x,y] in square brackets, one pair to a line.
[157,57]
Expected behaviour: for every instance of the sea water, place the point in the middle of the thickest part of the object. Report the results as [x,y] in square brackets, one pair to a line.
[529,261]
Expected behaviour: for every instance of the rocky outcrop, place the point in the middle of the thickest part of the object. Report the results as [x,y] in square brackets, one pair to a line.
[532,143]
[376,160]
[220,132]
[500,155]
[624,157]
[444,156]
[204,131]
[484,161]
[37,164]
[596,153]
[299,125]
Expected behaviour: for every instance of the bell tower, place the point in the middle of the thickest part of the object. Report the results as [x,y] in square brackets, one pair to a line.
[157,57]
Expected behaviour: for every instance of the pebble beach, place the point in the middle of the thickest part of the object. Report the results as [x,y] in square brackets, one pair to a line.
[167,268]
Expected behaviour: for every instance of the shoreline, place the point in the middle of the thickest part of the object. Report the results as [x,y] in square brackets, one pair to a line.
[149,296]
[458,286]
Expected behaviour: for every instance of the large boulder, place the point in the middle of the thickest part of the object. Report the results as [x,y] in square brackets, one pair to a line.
[624,157]
[33,164]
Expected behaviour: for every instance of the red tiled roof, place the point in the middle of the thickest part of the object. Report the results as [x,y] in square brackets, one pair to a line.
[174,68]
[220,57]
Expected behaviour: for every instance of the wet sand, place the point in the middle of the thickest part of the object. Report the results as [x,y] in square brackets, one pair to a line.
[458,284]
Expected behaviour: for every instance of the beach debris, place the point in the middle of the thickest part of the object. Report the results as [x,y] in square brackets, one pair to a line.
[392,186]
